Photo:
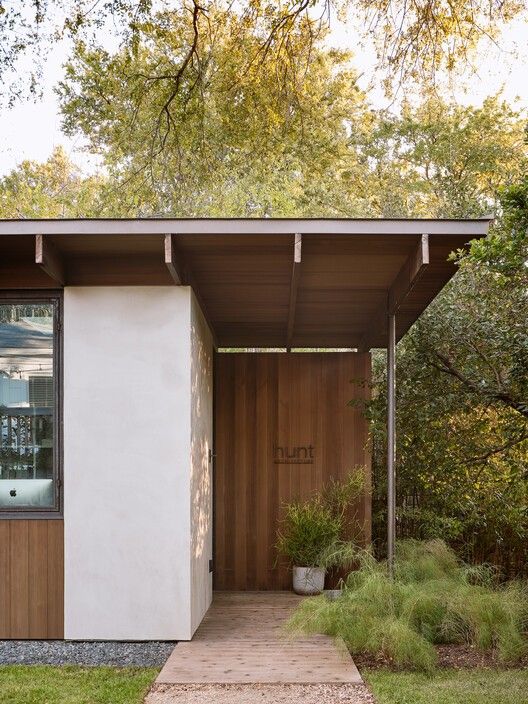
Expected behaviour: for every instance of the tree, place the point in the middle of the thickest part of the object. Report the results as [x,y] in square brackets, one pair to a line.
[463,404]
[481,339]
[414,40]
[440,159]
[234,139]
[53,189]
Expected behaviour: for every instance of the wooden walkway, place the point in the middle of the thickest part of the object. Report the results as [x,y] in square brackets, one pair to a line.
[240,640]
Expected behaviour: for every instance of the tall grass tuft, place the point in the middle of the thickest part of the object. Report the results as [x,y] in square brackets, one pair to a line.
[433,598]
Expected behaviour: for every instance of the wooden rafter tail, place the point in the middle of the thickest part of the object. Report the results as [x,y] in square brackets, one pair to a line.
[408,276]
[49,259]
[174,260]
[294,285]
[183,276]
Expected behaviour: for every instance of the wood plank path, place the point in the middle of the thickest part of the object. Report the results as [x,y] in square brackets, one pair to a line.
[241,640]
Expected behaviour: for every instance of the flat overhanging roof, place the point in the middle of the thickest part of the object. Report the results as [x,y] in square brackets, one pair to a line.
[261,282]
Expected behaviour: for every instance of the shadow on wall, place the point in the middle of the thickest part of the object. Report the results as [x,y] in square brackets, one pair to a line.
[201,468]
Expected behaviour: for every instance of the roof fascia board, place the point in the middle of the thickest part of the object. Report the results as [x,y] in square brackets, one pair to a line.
[266,226]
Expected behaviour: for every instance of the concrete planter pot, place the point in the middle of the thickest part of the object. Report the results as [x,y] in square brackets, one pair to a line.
[333,594]
[308,581]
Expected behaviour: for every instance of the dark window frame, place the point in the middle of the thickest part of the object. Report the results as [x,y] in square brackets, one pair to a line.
[55,297]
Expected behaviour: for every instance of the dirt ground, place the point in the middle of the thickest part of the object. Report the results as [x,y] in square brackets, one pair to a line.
[260,694]
[459,657]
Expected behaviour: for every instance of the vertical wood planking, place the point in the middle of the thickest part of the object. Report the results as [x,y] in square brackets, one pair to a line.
[55,579]
[37,579]
[241,464]
[224,404]
[251,512]
[31,579]
[19,579]
[268,399]
[283,471]
[272,476]
[5,579]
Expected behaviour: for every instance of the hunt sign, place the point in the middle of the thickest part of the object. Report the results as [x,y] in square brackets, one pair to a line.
[300,454]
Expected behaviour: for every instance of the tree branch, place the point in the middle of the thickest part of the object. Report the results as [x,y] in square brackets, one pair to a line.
[447,367]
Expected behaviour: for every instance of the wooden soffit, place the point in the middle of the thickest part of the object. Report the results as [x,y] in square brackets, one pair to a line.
[261,282]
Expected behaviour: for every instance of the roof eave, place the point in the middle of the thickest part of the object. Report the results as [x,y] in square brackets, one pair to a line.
[470,228]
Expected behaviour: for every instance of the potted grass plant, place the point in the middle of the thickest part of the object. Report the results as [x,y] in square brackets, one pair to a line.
[312,534]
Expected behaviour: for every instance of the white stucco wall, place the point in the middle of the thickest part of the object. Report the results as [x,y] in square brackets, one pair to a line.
[201,467]
[127,488]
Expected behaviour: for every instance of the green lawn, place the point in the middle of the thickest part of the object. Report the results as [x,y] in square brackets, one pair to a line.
[73,685]
[107,685]
[449,687]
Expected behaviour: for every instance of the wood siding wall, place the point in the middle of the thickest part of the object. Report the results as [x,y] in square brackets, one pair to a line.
[31,579]
[264,401]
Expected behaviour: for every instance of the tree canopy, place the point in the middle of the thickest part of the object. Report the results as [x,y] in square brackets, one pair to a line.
[281,141]
[413,40]
[234,139]
[53,189]
[463,404]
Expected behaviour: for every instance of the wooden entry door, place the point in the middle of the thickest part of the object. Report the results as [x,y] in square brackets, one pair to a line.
[283,428]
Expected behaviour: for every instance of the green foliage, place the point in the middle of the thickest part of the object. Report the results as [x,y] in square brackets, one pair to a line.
[308,528]
[433,598]
[339,495]
[413,42]
[238,137]
[54,189]
[317,532]
[440,159]
[288,135]
[449,687]
[462,402]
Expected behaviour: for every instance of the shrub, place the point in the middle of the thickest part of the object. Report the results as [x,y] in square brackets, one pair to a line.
[308,529]
[316,532]
[433,598]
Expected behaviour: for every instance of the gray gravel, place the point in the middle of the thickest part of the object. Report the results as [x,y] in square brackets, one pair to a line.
[260,694]
[87,653]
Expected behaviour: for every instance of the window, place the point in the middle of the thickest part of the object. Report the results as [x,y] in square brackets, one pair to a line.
[29,403]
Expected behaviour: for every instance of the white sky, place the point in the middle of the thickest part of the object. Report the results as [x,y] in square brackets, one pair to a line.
[31,130]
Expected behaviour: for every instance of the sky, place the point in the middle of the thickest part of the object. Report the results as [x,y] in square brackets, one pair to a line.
[30,130]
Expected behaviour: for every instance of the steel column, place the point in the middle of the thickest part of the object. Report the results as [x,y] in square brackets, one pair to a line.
[391,440]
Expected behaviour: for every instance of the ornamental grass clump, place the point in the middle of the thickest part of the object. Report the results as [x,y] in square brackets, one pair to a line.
[432,599]
[309,528]
[320,531]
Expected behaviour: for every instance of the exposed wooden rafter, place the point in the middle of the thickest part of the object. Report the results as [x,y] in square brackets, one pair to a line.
[409,275]
[173,260]
[294,285]
[183,276]
[407,278]
[49,259]
[241,270]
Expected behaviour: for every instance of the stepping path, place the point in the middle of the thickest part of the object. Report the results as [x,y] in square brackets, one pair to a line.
[241,640]
[241,654]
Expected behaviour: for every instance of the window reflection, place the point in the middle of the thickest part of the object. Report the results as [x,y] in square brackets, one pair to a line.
[27,400]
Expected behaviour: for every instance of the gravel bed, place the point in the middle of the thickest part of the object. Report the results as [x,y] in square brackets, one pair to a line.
[86,653]
[260,694]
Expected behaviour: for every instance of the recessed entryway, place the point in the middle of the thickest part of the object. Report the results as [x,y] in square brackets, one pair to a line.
[283,428]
